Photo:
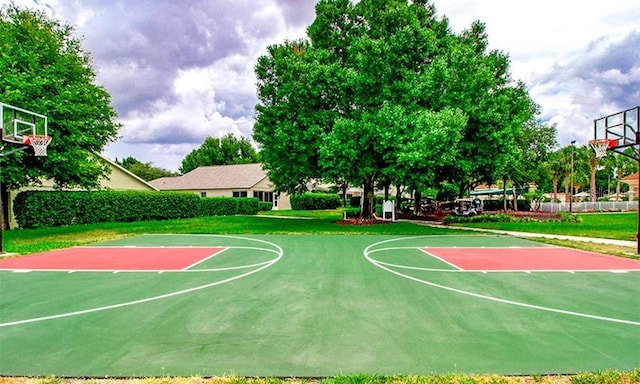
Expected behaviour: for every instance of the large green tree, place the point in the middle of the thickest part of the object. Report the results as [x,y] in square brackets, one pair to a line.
[534,146]
[223,151]
[44,69]
[384,92]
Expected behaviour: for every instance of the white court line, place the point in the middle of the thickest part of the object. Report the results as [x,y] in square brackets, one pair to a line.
[367,251]
[140,270]
[279,253]
[205,259]
[441,259]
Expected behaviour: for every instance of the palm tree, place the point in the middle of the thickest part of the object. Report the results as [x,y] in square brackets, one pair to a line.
[556,165]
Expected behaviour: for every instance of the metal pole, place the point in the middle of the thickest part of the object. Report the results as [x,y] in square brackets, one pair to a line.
[1,218]
[571,181]
[4,218]
[638,193]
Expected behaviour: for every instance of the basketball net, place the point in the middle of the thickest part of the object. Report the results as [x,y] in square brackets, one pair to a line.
[39,144]
[600,146]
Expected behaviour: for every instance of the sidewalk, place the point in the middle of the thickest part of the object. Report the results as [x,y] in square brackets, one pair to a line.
[621,243]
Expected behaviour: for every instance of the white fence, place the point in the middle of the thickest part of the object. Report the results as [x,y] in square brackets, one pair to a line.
[600,206]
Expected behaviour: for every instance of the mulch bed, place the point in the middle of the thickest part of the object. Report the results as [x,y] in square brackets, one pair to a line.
[358,221]
[438,216]
[534,215]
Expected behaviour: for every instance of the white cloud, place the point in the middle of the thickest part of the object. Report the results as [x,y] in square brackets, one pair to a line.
[180,73]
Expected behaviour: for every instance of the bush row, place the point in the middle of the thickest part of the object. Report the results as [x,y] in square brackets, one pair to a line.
[565,217]
[312,201]
[35,209]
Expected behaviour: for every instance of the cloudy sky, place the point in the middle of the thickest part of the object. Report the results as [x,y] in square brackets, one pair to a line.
[180,71]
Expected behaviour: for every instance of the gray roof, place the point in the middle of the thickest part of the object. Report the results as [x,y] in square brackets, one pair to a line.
[241,176]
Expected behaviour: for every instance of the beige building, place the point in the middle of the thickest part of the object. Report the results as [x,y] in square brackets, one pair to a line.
[632,180]
[119,179]
[239,180]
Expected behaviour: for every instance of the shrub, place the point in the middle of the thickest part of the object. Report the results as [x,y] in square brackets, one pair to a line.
[352,212]
[567,217]
[55,208]
[248,206]
[499,218]
[218,206]
[313,201]
[265,206]
[34,209]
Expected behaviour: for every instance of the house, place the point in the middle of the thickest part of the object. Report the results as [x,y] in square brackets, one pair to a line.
[238,180]
[119,179]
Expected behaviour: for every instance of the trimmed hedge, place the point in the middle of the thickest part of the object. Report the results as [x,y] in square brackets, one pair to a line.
[227,206]
[218,206]
[265,206]
[313,201]
[34,209]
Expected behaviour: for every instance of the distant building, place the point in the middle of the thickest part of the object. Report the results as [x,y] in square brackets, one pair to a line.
[632,180]
[238,180]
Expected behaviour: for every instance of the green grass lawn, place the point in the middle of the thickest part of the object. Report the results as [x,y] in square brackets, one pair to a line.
[622,226]
[619,226]
[277,222]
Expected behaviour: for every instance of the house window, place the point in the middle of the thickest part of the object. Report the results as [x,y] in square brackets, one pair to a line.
[263,196]
[203,194]
[239,193]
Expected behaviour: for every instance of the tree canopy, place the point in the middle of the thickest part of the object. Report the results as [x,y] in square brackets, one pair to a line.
[44,69]
[145,171]
[384,92]
[220,151]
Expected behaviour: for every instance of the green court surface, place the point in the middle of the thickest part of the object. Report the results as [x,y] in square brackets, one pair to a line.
[311,306]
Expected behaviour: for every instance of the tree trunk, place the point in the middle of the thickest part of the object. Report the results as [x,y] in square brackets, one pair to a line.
[462,187]
[504,193]
[398,198]
[344,186]
[555,187]
[4,216]
[368,203]
[567,196]
[416,203]
[593,163]
[514,192]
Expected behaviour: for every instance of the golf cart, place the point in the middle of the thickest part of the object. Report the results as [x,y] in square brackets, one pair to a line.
[467,207]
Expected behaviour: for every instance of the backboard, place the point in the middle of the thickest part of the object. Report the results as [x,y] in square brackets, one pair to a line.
[623,128]
[17,124]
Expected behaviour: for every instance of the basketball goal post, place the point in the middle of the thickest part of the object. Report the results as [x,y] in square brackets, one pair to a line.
[619,133]
[20,130]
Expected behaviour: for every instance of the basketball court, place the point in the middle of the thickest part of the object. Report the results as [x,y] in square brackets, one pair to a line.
[311,306]
[315,306]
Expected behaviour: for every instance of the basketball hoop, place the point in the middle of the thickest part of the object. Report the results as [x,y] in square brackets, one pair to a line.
[600,146]
[39,143]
